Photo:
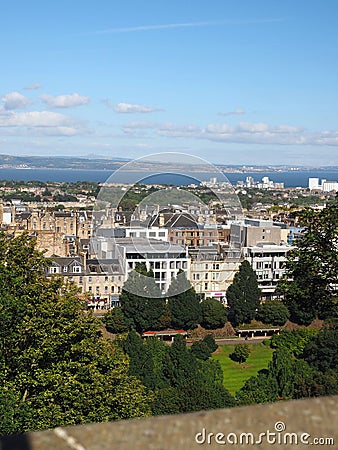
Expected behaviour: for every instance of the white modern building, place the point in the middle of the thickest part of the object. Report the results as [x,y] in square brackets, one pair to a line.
[268,261]
[164,258]
[325,185]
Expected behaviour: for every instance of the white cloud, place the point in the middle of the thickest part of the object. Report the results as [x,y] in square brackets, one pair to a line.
[14,100]
[33,86]
[41,123]
[235,112]
[64,101]
[244,132]
[129,108]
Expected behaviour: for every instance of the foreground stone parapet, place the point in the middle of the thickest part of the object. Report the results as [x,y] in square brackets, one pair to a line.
[286,425]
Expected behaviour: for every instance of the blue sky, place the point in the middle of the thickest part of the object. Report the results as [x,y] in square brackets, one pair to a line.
[235,82]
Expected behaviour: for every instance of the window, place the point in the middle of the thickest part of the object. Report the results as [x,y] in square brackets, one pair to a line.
[206,276]
[152,234]
[161,234]
[76,269]
[90,289]
[90,279]
[206,286]
[105,278]
[65,269]
[106,289]
[80,280]
[54,270]
[157,265]
[215,266]
[113,288]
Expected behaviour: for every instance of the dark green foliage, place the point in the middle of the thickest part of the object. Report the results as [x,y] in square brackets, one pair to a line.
[180,365]
[243,295]
[141,362]
[214,314]
[210,341]
[262,388]
[294,341]
[241,353]
[144,311]
[309,287]
[281,368]
[56,369]
[313,376]
[322,350]
[203,349]
[116,322]
[183,303]
[273,312]
[198,383]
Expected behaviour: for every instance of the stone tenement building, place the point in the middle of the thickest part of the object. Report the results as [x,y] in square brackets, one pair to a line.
[57,232]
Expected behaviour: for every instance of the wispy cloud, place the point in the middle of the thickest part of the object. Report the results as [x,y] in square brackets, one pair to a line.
[32,86]
[187,25]
[235,112]
[129,108]
[244,132]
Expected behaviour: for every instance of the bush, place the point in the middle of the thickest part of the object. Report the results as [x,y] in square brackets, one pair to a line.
[214,314]
[241,353]
[273,312]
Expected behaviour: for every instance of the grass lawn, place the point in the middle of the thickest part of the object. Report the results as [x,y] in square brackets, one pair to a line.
[235,374]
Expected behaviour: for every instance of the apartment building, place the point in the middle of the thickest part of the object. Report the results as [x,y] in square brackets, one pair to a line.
[102,280]
[164,258]
[268,261]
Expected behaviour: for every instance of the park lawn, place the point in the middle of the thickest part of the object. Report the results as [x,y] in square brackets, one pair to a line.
[235,374]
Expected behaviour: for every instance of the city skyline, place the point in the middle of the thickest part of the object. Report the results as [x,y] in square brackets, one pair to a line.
[234,83]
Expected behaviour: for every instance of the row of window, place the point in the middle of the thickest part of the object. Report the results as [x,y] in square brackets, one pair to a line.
[214,276]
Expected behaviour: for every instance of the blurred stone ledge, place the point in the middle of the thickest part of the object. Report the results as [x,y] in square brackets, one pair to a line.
[316,416]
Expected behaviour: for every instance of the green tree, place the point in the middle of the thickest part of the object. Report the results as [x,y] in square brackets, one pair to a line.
[241,353]
[210,341]
[294,341]
[309,287]
[281,368]
[214,314]
[144,311]
[141,362]
[321,351]
[56,368]
[116,322]
[243,295]
[262,388]
[273,312]
[183,303]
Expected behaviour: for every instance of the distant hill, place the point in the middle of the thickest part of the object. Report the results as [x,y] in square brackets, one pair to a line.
[53,162]
[99,163]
